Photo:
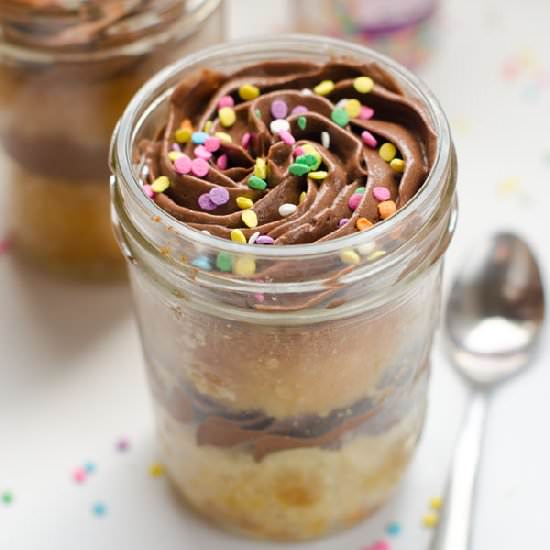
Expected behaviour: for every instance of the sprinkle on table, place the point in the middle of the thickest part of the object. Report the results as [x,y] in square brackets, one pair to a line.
[436,503]
[393,529]
[90,468]
[122,444]
[79,475]
[248,92]
[430,520]
[227,116]
[156,469]
[324,87]
[363,84]
[99,509]
[7,498]
[388,151]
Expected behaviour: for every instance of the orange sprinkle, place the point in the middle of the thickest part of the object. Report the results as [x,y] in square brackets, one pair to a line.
[386,209]
[186,125]
[363,223]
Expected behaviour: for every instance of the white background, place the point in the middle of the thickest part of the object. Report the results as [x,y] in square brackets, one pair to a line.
[71,378]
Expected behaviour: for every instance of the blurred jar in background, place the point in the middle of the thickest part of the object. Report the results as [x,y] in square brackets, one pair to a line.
[402,29]
[67,70]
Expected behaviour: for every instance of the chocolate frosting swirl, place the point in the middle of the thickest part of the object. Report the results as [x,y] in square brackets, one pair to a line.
[350,162]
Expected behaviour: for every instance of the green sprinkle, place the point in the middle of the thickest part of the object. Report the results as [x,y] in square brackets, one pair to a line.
[258,113]
[302,122]
[307,159]
[340,117]
[299,169]
[254,182]
[360,191]
[224,262]
[7,498]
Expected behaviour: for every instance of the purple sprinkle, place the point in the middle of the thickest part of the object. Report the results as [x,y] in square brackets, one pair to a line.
[176,147]
[381,194]
[205,202]
[265,239]
[279,109]
[343,222]
[219,195]
[299,110]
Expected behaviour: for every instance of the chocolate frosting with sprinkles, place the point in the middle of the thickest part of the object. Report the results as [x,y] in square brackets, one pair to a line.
[288,152]
[75,25]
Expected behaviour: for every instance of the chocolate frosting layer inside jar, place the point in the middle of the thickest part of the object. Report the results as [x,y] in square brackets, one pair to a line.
[343,148]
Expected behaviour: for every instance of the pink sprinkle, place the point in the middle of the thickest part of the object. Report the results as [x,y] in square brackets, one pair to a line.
[205,203]
[343,222]
[369,139]
[265,239]
[176,147]
[245,140]
[381,194]
[378,545]
[299,110]
[366,113]
[219,195]
[183,164]
[355,200]
[222,162]
[279,109]
[299,151]
[199,167]
[287,137]
[201,152]
[148,190]
[212,144]
[226,101]
[259,297]
[79,475]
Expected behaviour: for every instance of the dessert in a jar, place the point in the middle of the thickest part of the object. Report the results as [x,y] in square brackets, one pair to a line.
[67,71]
[284,206]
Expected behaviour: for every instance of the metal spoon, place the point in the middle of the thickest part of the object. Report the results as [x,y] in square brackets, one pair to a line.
[493,322]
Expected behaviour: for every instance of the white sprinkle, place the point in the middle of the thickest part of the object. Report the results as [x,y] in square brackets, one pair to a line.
[205,232]
[325,140]
[342,104]
[287,209]
[307,91]
[279,125]
[253,237]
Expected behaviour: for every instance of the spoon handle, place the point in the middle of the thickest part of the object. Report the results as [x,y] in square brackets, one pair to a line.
[454,532]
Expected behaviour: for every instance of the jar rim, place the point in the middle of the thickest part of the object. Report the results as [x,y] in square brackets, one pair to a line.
[125,132]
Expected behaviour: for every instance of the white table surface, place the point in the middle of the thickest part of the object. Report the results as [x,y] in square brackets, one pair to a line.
[71,377]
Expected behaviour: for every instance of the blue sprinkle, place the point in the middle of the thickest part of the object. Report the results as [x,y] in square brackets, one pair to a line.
[90,467]
[393,529]
[99,509]
[202,262]
[199,137]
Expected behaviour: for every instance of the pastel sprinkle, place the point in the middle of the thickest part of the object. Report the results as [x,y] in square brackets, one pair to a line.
[99,509]
[343,222]
[245,140]
[363,223]
[226,101]
[298,151]
[174,155]
[254,182]
[245,266]
[387,209]
[355,200]
[237,236]
[224,137]
[299,110]
[279,108]
[377,254]
[182,164]
[248,92]
[298,169]
[393,529]
[265,239]
[306,92]
[302,122]
[208,126]
[388,151]
[340,117]
[244,203]
[212,144]
[260,168]
[199,137]
[182,135]
[379,545]
[227,116]
[325,140]
[381,194]
[310,149]
[258,113]
[287,209]
[363,84]
[176,147]
[308,159]
[222,162]
[279,125]
[122,444]
[303,197]
[80,475]
[366,113]
[201,152]
[148,190]
[160,184]
[360,190]
[369,139]
[200,262]
[224,262]
[7,498]
[90,468]
[205,203]
[398,165]
[287,137]
[319,175]
[436,503]
[249,217]
[199,167]
[253,237]
[219,195]
[259,297]
[324,87]
[353,108]
[350,257]
[430,520]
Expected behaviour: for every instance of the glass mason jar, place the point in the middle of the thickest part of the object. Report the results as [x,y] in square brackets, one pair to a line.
[66,75]
[289,392]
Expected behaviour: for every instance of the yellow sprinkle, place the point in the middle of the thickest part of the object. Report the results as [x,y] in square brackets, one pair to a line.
[319,175]
[363,84]
[388,151]
[245,266]
[353,107]
[303,196]
[375,255]
[398,165]
[244,203]
[237,236]
[183,135]
[436,503]
[430,520]
[349,256]
[160,184]
[227,116]
[324,87]
[248,92]
[156,470]
[174,155]
[249,218]
[260,169]
[207,126]
[223,136]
